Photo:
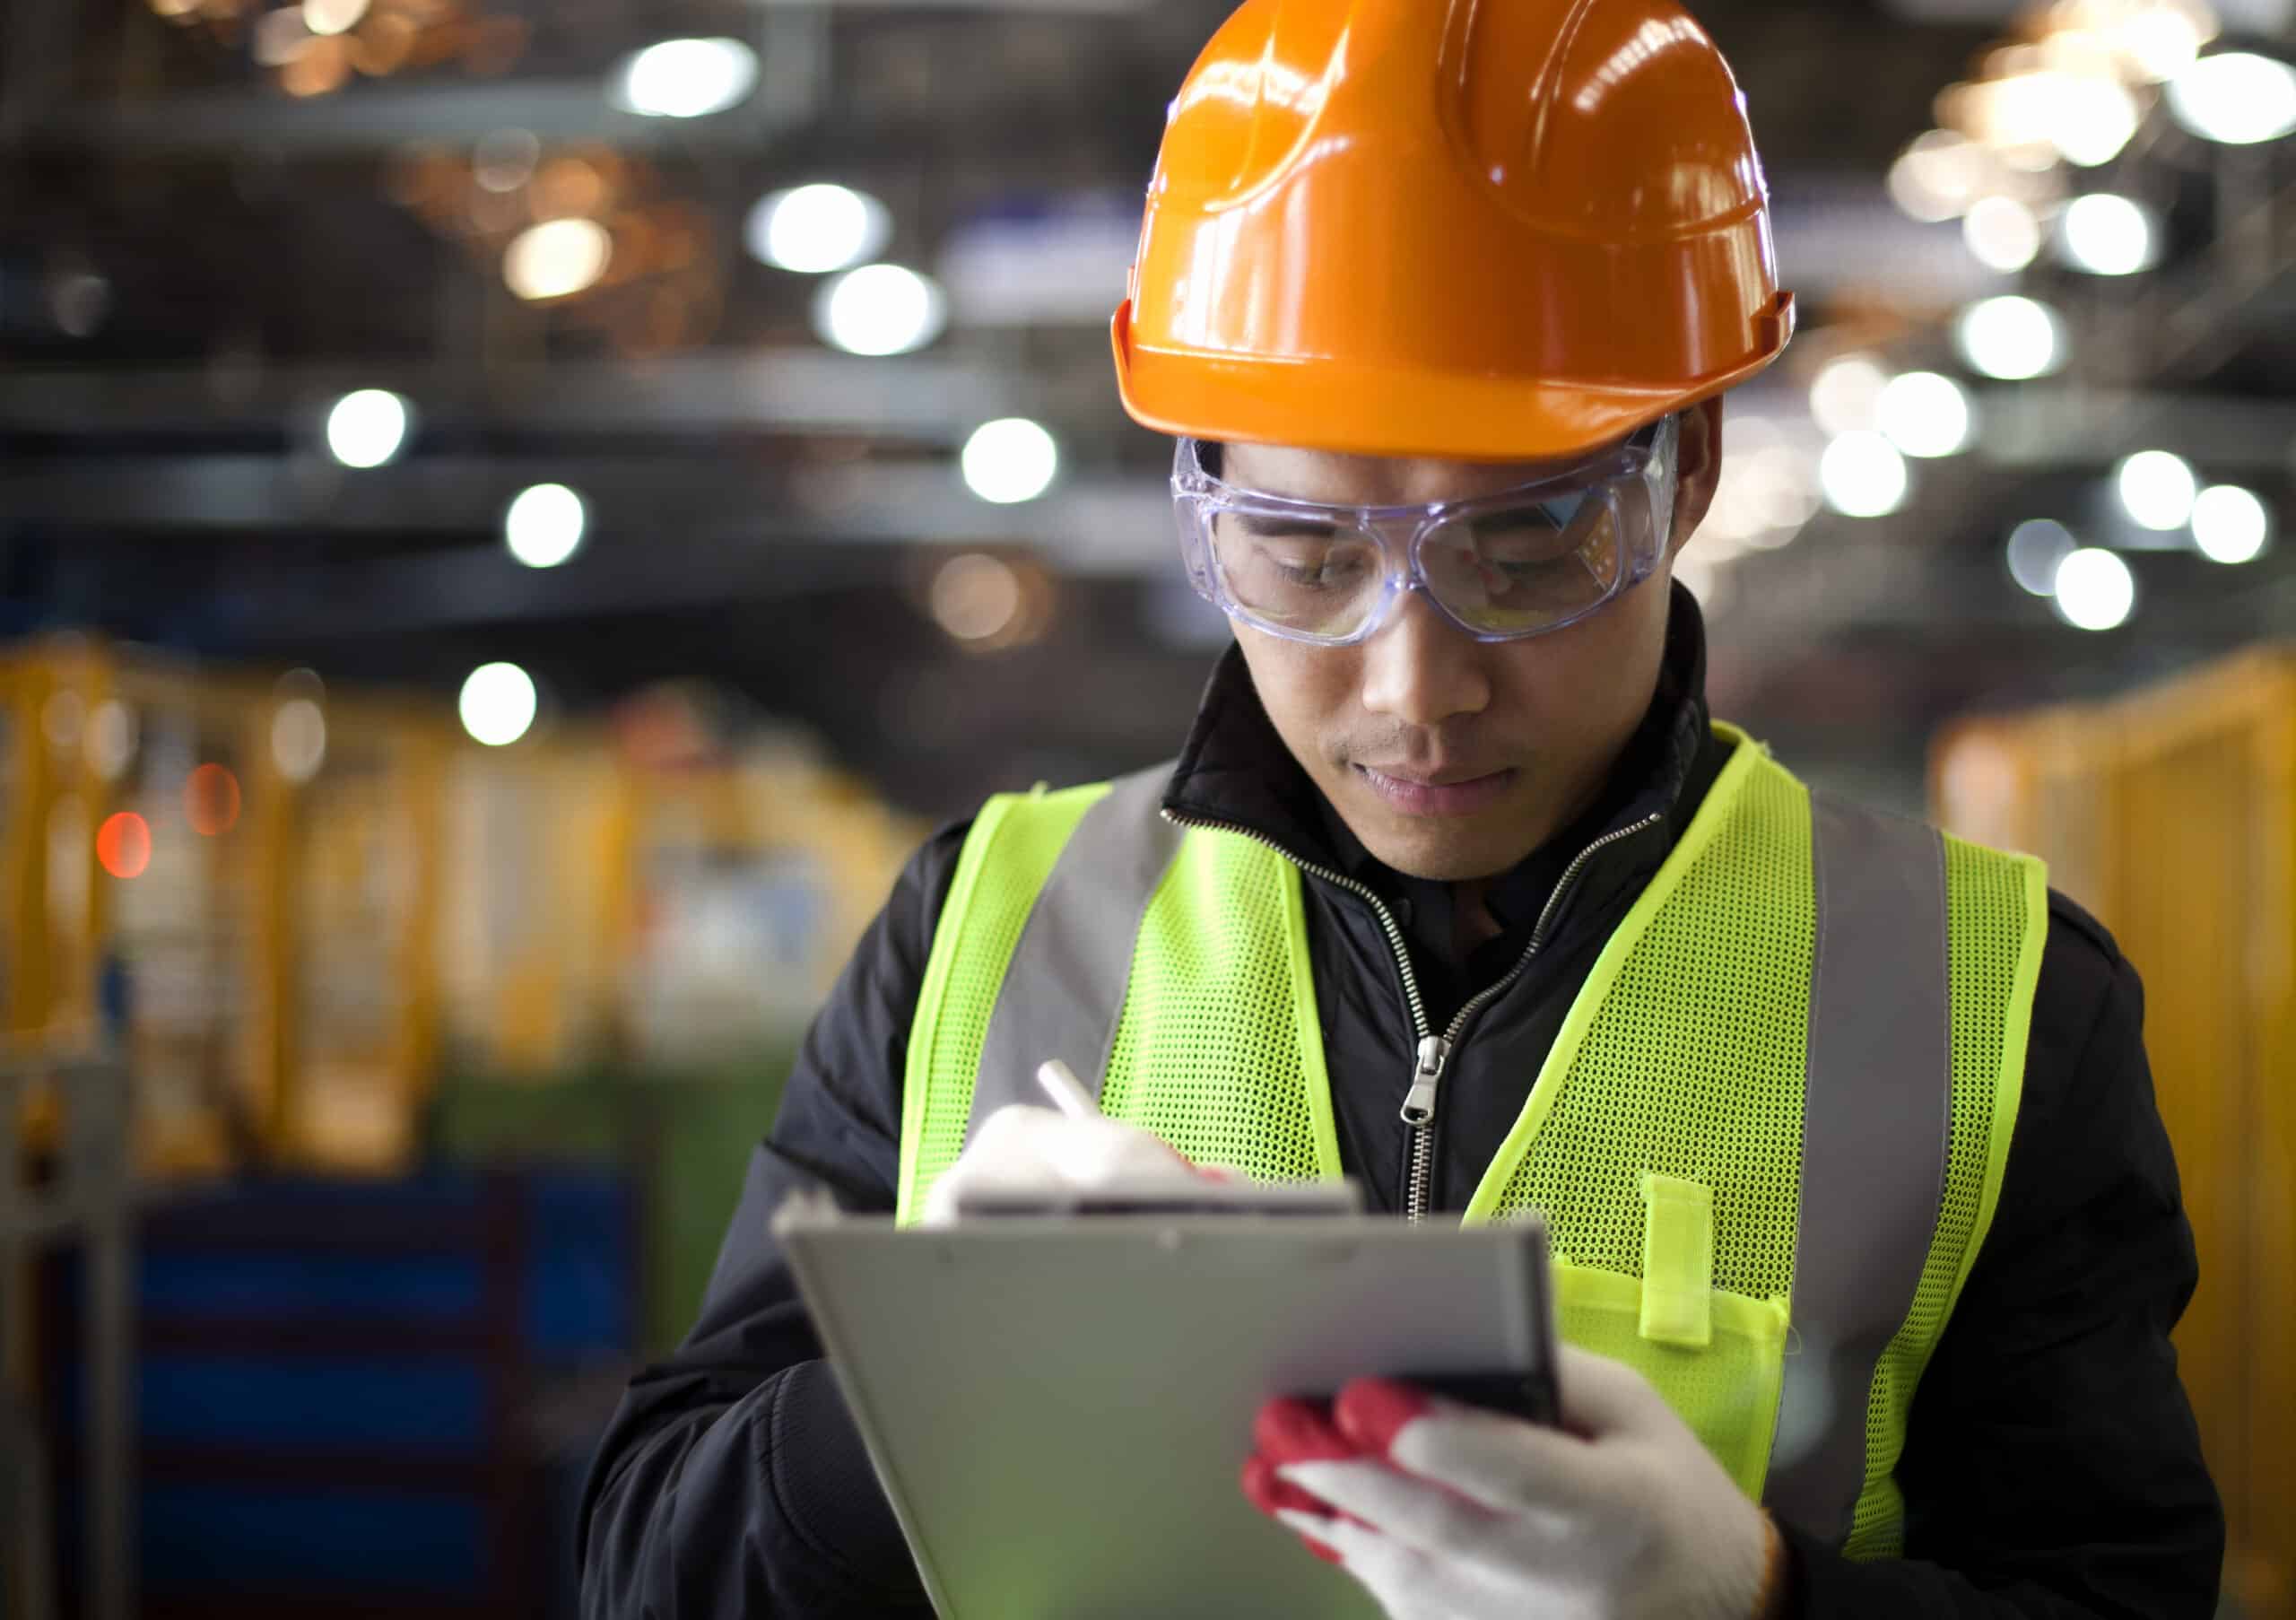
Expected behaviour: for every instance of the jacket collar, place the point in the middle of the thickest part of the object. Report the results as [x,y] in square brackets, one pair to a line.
[1237,771]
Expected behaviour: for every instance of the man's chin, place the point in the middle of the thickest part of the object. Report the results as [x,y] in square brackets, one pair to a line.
[1444,851]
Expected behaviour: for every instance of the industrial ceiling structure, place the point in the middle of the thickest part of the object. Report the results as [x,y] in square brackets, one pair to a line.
[321,324]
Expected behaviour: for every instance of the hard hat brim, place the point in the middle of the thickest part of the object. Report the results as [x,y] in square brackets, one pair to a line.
[1326,404]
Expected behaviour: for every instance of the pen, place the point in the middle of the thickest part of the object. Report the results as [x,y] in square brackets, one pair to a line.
[1067,1091]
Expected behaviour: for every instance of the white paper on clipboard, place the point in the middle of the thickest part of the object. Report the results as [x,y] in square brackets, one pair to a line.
[1058,1409]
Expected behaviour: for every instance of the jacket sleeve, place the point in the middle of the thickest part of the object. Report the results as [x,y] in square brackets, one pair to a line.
[731,1481]
[2052,1468]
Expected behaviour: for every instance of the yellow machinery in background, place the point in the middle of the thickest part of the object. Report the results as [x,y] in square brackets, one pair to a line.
[288,909]
[652,892]
[234,884]
[2171,815]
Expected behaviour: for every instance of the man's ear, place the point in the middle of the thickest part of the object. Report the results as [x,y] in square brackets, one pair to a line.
[1698,468]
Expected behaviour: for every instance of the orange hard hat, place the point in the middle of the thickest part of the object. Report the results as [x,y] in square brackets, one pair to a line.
[1483,229]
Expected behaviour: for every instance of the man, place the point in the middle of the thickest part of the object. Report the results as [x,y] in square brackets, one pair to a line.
[1869,1240]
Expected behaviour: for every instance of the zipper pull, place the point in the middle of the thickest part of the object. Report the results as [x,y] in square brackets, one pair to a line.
[1419,1103]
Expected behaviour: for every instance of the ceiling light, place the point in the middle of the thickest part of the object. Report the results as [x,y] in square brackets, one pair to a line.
[498,704]
[2036,548]
[1924,413]
[685,78]
[557,258]
[2229,524]
[1009,459]
[2106,235]
[544,526]
[2002,233]
[367,428]
[2157,489]
[2094,589]
[2237,98]
[2011,338]
[817,229]
[880,309]
[1845,392]
[1862,475]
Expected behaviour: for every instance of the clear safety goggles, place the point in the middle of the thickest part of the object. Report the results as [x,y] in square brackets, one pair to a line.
[1502,567]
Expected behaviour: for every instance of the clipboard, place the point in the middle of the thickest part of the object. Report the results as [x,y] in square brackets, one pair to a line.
[1058,1409]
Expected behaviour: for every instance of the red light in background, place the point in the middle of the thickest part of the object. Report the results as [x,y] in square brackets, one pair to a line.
[211,800]
[123,845]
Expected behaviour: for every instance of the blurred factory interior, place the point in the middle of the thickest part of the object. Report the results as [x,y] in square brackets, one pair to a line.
[515,516]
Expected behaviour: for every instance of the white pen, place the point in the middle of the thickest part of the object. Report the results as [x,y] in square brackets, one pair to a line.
[1067,1091]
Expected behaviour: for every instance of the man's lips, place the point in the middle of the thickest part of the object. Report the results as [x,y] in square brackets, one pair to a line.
[1437,793]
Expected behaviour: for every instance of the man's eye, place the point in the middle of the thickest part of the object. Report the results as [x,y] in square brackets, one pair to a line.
[1320,566]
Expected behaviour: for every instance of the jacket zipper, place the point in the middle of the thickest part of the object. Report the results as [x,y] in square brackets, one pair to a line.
[1433,1052]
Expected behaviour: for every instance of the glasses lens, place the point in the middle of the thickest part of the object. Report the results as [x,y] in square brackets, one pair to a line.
[1520,568]
[1297,572]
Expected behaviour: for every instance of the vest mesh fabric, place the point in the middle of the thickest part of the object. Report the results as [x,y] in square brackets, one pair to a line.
[1692,1066]
[1008,855]
[1986,918]
[1212,1051]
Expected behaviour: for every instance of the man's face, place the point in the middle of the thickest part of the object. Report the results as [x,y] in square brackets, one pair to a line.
[1450,758]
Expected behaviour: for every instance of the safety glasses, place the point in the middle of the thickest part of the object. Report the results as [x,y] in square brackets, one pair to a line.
[1503,567]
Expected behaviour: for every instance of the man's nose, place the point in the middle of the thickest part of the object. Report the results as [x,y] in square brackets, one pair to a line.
[1423,669]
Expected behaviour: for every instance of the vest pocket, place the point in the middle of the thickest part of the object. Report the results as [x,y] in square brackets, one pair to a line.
[1726,1390]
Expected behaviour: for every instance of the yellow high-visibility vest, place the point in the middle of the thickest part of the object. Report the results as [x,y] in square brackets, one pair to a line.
[1767,1141]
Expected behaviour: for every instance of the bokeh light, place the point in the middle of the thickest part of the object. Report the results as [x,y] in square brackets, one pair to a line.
[112,739]
[333,16]
[498,704]
[1924,414]
[2237,98]
[976,597]
[2002,233]
[1846,392]
[299,739]
[817,229]
[557,258]
[545,524]
[2012,337]
[2036,547]
[367,428]
[2229,524]
[2106,235]
[2094,589]
[686,78]
[1008,460]
[2156,489]
[211,800]
[1862,475]
[880,309]
[124,844]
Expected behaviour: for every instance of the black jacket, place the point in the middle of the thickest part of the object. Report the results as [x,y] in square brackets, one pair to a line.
[2051,1466]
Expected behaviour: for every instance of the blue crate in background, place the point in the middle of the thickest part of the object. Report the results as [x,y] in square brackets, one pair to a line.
[343,1389]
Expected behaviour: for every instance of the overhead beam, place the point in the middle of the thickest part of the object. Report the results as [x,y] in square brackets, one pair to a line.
[1088,525]
[795,390]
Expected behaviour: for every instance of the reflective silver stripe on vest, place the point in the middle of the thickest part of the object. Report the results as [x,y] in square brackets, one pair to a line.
[1876,1114]
[1064,990]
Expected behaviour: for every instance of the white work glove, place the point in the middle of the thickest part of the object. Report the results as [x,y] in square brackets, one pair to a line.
[1452,1513]
[1023,1149]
